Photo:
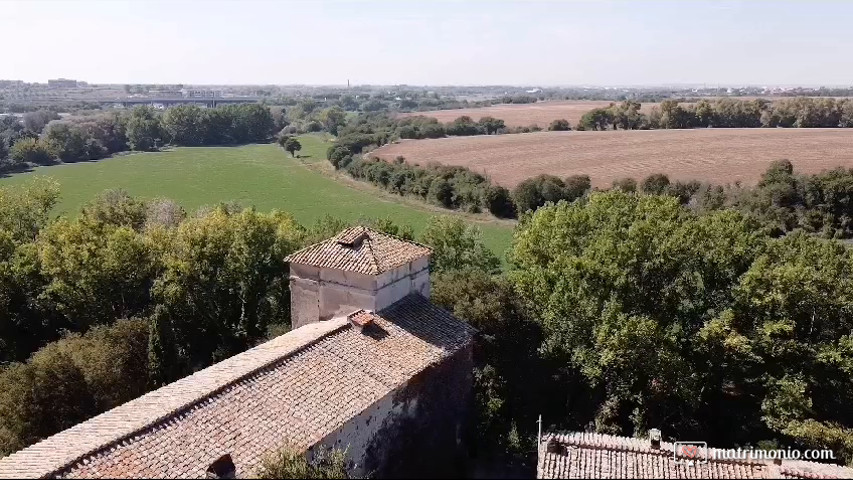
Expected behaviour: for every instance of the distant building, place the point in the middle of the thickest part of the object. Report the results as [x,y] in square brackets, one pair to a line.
[165,94]
[62,83]
[200,93]
[373,367]
[591,455]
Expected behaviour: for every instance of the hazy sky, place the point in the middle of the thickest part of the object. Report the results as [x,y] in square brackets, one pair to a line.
[429,42]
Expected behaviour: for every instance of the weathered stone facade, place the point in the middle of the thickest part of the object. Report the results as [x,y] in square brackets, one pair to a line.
[418,429]
[320,294]
[358,269]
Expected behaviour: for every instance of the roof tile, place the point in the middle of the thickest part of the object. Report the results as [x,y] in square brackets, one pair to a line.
[362,250]
[593,455]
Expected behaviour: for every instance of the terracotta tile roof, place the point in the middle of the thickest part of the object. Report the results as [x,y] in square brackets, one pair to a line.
[360,249]
[293,390]
[591,455]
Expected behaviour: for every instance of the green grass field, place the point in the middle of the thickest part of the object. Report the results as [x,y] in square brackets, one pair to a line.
[262,176]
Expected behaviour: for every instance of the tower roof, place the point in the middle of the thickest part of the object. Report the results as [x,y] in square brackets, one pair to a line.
[361,250]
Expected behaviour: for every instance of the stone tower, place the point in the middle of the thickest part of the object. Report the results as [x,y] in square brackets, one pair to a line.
[359,268]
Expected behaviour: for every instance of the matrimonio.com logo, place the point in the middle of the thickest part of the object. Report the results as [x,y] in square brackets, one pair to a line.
[690,453]
[697,453]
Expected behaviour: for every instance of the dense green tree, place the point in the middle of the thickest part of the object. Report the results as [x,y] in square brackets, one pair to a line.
[163,364]
[25,209]
[291,145]
[31,150]
[655,184]
[95,272]
[596,119]
[620,289]
[491,125]
[36,121]
[256,120]
[576,187]
[440,192]
[108,129]
[627,116]
[225,281]
[510,379]
[183,125]
[457,245]
[499,202]
[627,184]
[332,118]
[71,380]
[463,126]
[68,142]
[537,191]
[143,129]
[4,149]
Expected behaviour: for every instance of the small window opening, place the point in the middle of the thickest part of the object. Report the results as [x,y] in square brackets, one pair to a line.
[223,467]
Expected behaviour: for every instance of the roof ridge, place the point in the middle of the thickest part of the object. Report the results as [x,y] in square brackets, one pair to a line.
[372,256]
[638,445]
[397,237]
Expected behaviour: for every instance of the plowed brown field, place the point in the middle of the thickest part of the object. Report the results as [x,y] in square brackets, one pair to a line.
[523,115]
[714,155]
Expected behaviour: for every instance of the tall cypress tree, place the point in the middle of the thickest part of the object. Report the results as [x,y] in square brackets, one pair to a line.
[162,351]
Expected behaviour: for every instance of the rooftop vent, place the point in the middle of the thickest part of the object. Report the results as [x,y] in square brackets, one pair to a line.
[360,319]
[654,438]
[352,237]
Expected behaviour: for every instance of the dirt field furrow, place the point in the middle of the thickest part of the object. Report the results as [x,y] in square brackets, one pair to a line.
[715,155]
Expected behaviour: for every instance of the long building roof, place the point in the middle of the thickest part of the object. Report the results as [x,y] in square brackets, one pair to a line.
[591,455]
[291,391]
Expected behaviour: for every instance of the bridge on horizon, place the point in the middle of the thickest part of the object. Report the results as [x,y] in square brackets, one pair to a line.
[172,101]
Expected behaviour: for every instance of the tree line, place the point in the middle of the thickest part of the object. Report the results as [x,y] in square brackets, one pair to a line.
[799,112]
[786,201]
[622,312]
[456,188]
[42,138]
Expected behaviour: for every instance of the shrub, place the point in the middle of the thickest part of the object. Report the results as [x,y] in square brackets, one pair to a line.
[626,184]
[441,192]
[31,150]
[328,464]
[655,184]
[498,201]
[577,186]
[535,192]
[560,125]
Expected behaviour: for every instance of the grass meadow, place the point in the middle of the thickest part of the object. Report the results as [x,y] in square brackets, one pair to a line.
[263,176]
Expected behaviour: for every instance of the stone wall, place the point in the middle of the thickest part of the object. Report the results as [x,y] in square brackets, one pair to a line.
[320,294]
[418,430]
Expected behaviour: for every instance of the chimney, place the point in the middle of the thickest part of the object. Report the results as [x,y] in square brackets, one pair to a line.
[654,438]
[360,319]
[357,269]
